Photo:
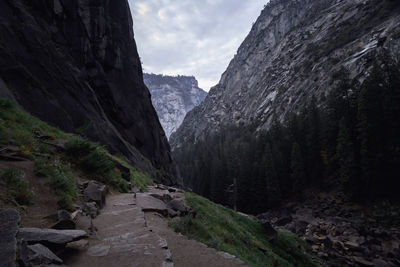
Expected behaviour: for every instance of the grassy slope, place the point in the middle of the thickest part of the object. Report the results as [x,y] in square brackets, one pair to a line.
[226,230]
[17,129]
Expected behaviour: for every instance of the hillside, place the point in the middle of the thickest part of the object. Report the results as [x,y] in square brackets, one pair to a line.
[45,172]
[173,97]
[75,65]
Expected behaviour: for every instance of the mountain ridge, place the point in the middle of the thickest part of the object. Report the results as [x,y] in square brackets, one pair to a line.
[273,74]
[173,97]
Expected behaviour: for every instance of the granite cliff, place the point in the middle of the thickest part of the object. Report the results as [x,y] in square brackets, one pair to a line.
[173,98]
[74,64]
[289,56]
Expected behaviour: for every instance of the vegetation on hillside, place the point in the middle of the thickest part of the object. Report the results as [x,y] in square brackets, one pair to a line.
[226,230]
[352,141]
[17,187]
[78,156]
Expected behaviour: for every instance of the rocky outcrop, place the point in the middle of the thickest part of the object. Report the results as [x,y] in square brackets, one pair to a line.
[289,56]
[9,223]
[74,64]
[173,97]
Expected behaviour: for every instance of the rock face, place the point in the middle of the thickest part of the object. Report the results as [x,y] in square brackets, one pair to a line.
[74,64]
[290,55]
[51,236]
[9,223]
[173,97]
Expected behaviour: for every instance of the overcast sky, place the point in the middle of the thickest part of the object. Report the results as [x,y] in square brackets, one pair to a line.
[192,37]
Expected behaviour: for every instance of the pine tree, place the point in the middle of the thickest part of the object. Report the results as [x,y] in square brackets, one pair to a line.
[345,155]
[297,169]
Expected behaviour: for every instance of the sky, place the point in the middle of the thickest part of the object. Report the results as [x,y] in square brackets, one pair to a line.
[192,37]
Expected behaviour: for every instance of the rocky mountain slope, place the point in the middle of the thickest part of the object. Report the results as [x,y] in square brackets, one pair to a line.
[173,97]
[289,56]
[74,64]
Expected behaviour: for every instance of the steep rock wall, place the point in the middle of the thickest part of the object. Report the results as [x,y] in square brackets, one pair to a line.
[289,56]
[75,64]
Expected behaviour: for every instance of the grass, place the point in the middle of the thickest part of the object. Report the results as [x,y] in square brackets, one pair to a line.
[61,179]
[17,128]
[95,161]
[138,179]
[226,230]
[17,187]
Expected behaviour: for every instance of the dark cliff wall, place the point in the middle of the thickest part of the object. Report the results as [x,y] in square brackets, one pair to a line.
[74,63]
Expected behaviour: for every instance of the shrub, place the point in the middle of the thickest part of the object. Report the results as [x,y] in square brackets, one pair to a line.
[89,157]
[17,186]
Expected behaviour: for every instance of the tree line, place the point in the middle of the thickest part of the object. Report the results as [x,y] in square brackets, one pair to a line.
[351,141]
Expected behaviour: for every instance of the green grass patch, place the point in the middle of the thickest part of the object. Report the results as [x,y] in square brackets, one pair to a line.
[95,161]
[17,127]
[17,186]
[138,179]
[61,180]
[226,230]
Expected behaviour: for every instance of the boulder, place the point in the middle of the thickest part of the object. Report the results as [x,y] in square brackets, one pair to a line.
[300,227]
[125,171]
[50,236]
[151,204]
[178,206]
[165,197]
[64,221]
[39,254]
[282,221]
[91,209]
[9,222]
[96,192]
[269,231]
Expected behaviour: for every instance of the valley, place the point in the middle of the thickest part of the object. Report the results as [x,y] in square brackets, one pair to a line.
[291,159]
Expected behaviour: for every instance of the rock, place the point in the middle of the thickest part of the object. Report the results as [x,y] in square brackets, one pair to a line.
[151,204]
[125,171]
[172,190]
[96,192]
[84,222]
[64,221]
[91,209]
[165,197]
[178,206]
[172,213]
[284,220]
[380,263]
[50,236]
[39,254]
[9,222]
[362,262]
[79,245]
[269,231]
[63,215]
[99,86]
[353,246]
[300,227]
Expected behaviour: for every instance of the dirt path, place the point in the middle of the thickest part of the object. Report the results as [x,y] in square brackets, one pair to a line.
[127,236]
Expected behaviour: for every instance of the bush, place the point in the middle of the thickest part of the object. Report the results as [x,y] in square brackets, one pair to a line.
[18,188]
[89,157]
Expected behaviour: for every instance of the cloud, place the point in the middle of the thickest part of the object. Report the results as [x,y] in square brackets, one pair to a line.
[191,37]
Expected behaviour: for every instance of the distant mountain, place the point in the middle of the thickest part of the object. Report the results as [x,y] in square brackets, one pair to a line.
[173,97]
